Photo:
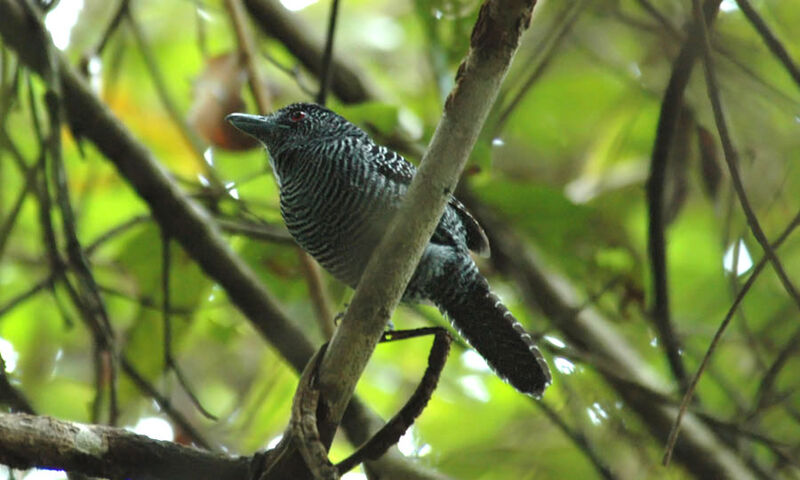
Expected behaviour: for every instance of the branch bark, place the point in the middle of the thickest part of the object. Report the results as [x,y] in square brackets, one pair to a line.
[28,440]
[494,41]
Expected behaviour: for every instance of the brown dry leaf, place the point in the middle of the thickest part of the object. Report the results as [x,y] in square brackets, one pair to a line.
[218,92]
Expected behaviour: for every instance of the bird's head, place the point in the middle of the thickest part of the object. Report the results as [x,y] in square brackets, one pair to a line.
[295,126]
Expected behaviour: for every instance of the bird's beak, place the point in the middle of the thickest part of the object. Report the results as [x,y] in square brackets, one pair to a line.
[254,125]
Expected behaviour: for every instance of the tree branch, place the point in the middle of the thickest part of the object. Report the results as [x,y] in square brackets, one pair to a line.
[36,441]
[494,41]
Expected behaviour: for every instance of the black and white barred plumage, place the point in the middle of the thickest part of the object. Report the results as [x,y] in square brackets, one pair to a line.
[339,190]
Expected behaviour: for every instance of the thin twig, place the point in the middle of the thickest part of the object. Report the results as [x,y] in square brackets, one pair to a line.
[11,217]
[144,302]
[258,231]
[660,18]
[293,72]
[327,56]
[724,427]
[767,383]
[245,40]
[192,139]
[165,300]
[783,99]
[116,231]
[46,283]
[112,27]
[166,309]
[164,404]
[546,54]
[742,432]
[579,440]
[92,298]
[391,432]
[775,46]
[317,292]
[89,292]
[347,82]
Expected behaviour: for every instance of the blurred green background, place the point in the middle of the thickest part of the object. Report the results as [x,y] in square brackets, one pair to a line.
[562,161]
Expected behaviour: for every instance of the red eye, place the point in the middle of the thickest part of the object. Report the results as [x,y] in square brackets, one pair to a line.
[297,116]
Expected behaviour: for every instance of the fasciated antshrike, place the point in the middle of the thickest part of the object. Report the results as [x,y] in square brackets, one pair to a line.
[338,192]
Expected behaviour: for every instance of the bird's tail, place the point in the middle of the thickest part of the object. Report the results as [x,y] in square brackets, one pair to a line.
[482,319]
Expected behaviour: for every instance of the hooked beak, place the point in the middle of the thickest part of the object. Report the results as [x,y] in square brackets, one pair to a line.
[254,125]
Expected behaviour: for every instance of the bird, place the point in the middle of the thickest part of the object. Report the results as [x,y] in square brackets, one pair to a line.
[339,190]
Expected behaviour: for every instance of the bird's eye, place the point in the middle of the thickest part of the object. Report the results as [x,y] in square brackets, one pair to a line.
[297,116]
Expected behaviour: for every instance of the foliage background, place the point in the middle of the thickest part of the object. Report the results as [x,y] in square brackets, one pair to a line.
[563,160]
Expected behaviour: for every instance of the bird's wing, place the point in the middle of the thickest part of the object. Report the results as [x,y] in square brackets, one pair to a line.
[392,165]
[476,237]
[397,169]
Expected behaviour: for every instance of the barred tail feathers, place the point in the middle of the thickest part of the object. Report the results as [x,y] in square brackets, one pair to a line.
[481,318]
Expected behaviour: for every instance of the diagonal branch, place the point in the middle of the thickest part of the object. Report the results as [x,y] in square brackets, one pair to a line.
[494,41]
[775,46]
[543,58]
[165,405]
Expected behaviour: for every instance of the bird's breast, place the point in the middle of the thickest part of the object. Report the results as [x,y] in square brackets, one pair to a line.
[337,213]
